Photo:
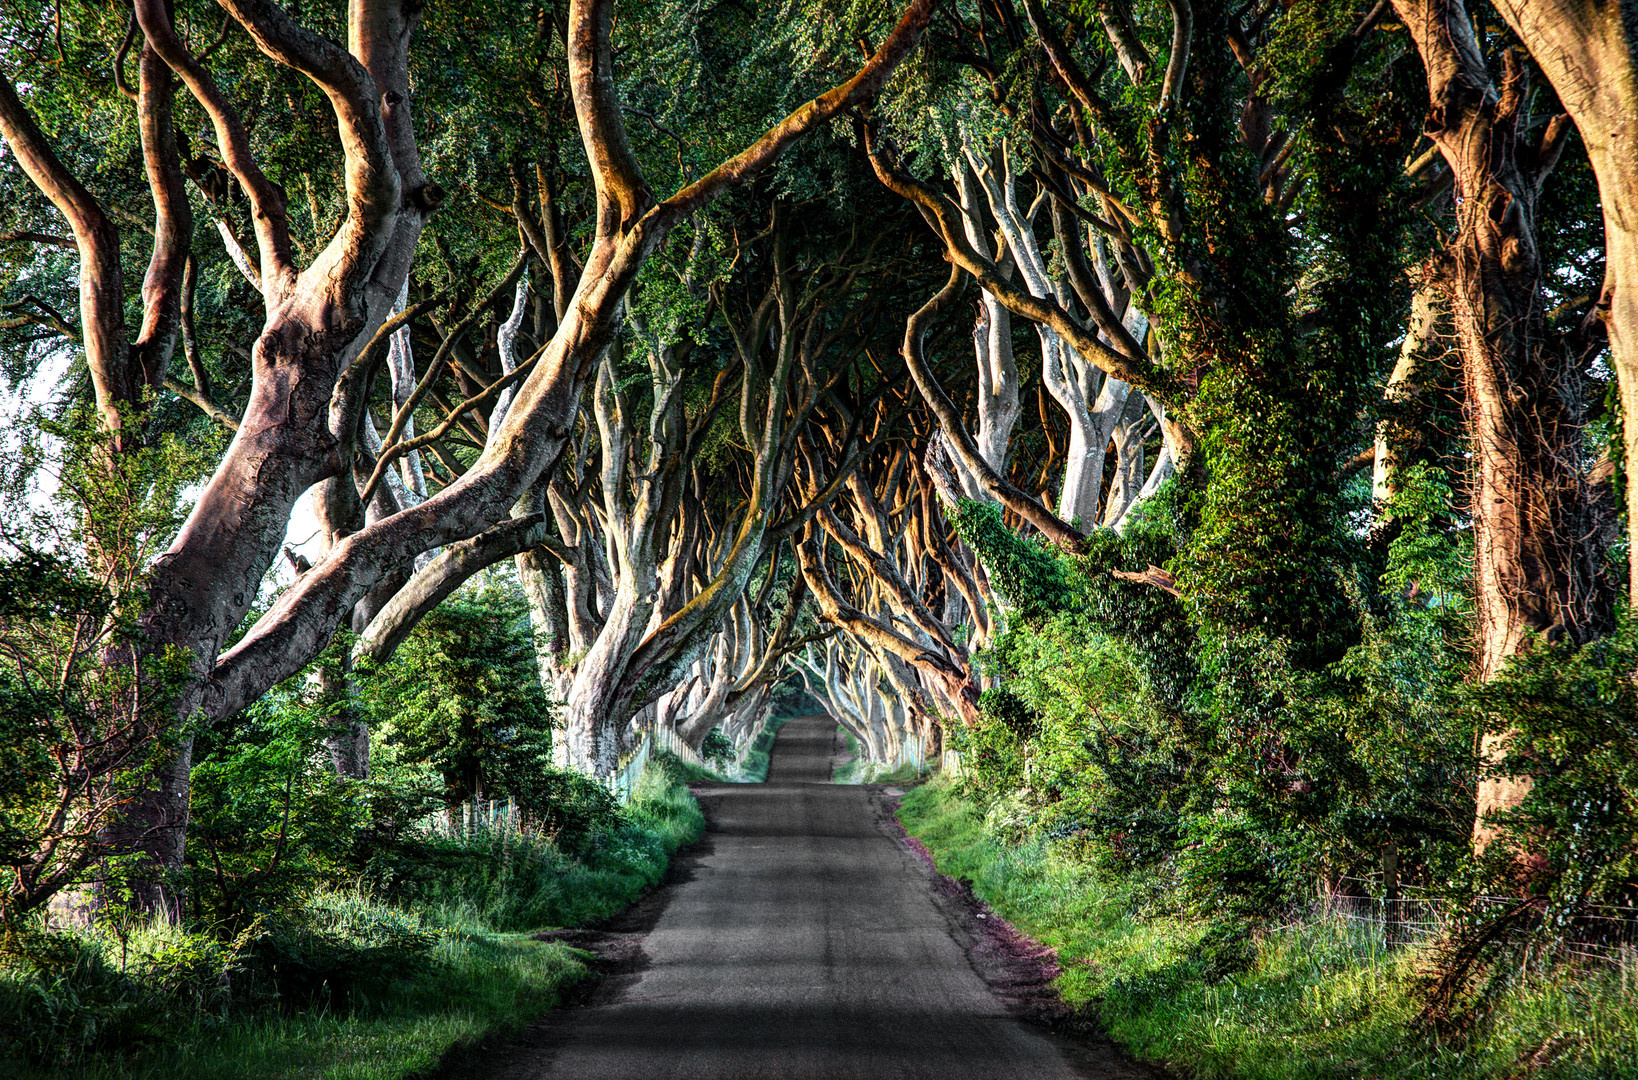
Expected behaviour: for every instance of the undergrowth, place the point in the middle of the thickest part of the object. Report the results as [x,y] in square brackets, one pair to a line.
[1320,999]
[857,770]
[375,981]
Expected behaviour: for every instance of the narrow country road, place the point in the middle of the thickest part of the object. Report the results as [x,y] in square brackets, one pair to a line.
[806,942]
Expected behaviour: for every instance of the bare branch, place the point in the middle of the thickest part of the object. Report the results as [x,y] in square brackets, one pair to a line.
[206,405]
[20,237]
[1177,64]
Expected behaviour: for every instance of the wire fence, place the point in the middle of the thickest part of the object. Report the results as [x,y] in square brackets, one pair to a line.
[1595,933]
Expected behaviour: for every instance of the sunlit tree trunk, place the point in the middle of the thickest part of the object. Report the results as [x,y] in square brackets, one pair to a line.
[1588,49]
[1530,576]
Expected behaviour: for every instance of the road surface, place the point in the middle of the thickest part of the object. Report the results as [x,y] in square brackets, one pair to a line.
[805,941]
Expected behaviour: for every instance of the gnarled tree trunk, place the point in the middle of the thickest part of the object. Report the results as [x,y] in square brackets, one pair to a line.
[1588,49]
[1531,576]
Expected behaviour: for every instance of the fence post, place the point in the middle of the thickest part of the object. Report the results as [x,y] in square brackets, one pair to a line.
[1390,892]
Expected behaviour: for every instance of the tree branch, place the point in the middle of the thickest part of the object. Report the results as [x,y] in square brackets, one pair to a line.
[102,299]
[267,202]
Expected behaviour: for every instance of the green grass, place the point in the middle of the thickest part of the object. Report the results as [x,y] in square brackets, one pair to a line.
[1323,999]
[476,985]
[528,886]
[753,765]
[456,965]
[856,770]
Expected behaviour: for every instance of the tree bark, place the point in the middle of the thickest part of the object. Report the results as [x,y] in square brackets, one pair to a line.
[1523,394]
[1588,49]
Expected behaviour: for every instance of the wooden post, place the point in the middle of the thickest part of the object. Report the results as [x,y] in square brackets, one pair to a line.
[1390,891]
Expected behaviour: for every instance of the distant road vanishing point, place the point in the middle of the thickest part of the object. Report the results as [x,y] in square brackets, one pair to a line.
[805,943]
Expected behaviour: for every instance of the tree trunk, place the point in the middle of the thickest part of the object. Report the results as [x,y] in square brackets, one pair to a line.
[1522,392]
[1588,49]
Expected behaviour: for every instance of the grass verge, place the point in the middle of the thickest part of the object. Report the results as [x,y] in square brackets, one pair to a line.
[856,770]
[753,766]
[1322,1000]
[472,986]
[349,988]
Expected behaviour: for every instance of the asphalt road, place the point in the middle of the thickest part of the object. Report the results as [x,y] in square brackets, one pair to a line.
[806,941]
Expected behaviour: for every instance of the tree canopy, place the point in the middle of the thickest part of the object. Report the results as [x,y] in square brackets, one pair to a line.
[1209,420]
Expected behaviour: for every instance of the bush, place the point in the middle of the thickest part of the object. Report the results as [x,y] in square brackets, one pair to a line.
[270,821]
[717,748]
[570,809]
[1571,716]
[424,911]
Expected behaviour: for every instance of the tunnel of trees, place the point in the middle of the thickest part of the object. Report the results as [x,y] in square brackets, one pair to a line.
[1205,422]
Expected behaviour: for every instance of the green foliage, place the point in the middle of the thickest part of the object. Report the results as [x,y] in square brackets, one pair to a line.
[574,811]
[1217,764]
[717,748]
[106,1017]
[86,702]
[510,882]
[993,747]
[1571,717]
[1317,998]
[463,695]
[270,821]
[371,954]
[1030,577]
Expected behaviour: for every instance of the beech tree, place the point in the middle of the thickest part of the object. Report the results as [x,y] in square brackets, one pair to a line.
[1536,559]
[1589,53]
[1115,177]
[321,319]
[1166,288]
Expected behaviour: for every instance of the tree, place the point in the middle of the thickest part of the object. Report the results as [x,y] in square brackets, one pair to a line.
[313,351]
[1535,572]
[461,695]
[1589,53]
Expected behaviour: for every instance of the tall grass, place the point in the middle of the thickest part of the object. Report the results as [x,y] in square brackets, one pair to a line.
[1323,999]
[468,985]
[346,984]
[507,882]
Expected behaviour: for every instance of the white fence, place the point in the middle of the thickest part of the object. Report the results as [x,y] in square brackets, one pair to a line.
[625,778]
[669,741]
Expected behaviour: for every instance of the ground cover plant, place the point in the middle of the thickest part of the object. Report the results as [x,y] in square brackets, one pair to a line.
[1318,996]
[379,977]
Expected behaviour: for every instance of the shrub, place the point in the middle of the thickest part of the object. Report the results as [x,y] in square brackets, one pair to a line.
[717,748]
